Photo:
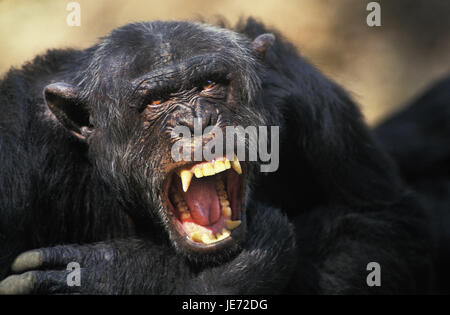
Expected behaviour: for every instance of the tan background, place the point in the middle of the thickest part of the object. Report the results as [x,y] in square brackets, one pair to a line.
[382,67]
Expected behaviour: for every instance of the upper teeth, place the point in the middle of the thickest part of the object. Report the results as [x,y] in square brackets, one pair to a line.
[208,169]
[186,177]
[236,165]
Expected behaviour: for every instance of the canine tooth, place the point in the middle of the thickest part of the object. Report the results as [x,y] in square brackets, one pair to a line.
[226,211]
[219,166]
[227,164]
[208,169]
[186,177]
[231,225]
[185,216]
[198,172]
[236,165]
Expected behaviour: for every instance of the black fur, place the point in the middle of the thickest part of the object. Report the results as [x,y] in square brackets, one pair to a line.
[418,138]
[335,204]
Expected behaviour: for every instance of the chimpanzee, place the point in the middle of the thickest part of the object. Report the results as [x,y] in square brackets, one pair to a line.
[87,174]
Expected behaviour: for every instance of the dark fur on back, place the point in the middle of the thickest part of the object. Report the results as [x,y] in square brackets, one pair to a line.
[418,138]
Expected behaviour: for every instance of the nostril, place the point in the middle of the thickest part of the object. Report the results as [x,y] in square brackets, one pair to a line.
[203,118]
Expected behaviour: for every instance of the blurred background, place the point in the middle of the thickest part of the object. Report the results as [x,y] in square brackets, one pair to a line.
[382,67]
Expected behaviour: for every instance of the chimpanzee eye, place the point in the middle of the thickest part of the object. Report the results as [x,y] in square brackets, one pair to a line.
[208,85]
[156,101]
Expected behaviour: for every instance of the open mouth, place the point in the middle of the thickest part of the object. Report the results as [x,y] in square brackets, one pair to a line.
[206,200]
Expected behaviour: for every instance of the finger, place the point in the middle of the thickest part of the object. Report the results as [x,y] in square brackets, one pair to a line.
[58,256]
[27,261]
[38,282]
[17,284]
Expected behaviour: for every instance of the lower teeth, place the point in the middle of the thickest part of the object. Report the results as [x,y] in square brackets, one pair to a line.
[204,237]
[208,238]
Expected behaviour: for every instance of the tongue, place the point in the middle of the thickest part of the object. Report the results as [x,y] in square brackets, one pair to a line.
[202,200]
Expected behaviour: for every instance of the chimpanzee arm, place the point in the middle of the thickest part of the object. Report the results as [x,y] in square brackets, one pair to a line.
[137,266]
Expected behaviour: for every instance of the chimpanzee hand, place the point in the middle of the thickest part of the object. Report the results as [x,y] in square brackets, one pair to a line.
[46,270]
[136,266]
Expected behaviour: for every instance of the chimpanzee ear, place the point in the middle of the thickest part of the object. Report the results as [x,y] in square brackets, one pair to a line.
[64,101]
[261,43]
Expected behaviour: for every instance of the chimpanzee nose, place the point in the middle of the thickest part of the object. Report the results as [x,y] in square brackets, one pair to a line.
[203,117]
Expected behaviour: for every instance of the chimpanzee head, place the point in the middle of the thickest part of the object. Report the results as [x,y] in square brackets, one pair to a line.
[129,94]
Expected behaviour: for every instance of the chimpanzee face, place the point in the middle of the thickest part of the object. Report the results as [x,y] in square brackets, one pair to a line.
[202,201]
[140,87]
